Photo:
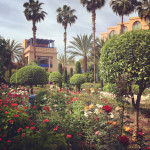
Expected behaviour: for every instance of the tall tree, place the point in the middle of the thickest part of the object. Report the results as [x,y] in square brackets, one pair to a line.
[143,8]
[65,16]
[123,7]
[92,6]
[14,53]
[81,46]
[33,12]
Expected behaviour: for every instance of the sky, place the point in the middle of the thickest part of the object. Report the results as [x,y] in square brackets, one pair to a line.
[14,26]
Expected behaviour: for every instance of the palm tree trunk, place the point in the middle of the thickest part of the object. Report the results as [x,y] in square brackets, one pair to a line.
[34,38]
[93,22]
[65,41]
[121,31]
[85,63]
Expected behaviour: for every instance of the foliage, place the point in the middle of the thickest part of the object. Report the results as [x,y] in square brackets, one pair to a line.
[77,79]
[69,59]
[109,88]
[88,77]
[60,68]
[128,55]
[31,75]
[55,77]
[66,16]
[78,67]
[65,76]
[143,8]
[81,46]
[71,72]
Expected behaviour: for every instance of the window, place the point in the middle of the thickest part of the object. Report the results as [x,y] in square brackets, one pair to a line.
[137,25]
[112,33]
[43,61]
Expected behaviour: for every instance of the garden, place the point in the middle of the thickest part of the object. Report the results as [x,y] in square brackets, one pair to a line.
[56,111]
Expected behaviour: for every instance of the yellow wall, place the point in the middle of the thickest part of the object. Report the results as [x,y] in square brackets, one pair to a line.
[128,24]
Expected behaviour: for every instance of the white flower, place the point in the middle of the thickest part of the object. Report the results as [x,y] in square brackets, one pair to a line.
[111,115]
[99,106]
[86,114]
[96,111]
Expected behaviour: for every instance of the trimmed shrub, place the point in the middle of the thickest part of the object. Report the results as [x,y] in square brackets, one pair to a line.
[32,75]
[60,71]
[88,77]
[77,79]
[78,67]
[65,76]
[60,68]
[55,77]
[13,79]
[71,72]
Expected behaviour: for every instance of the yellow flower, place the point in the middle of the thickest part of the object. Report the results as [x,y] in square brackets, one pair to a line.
[127,128]
[91,106]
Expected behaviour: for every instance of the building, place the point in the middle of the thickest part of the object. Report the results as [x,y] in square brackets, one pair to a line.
[134,23]
[46,53]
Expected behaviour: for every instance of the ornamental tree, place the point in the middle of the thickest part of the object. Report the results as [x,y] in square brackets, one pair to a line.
[55,77]
[128,54]
[30,75]
[77,79]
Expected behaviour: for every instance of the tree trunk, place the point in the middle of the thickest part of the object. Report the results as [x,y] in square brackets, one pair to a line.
[136,109]
[122,25]
[78,87]
[34,38]
[65,41]
[93,22]
[31,89]
[85,63]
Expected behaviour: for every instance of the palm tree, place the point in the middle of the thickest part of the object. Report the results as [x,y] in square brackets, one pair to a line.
[92,6]
[143,9]
[69,60]
[65,16]
[14,53]
[81,46]
[33,12]
[123,7]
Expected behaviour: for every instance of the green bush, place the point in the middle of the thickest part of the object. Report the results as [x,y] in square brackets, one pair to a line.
[71,72]
[109,88]
[13,79]
[65,76]
[88,77]
[60,68]
[32,75]
[78,67]
[77,79]
[55,77]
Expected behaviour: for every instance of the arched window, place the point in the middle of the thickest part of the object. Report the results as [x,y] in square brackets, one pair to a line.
[137,25]
[112,33]
[125,29]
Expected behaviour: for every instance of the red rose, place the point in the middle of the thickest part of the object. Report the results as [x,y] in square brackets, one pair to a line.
[11,121]
[45,121]
[124,139]
[32,128]
[107,108]
[16,115]
[69,136]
